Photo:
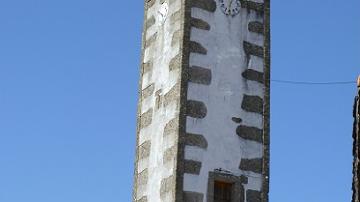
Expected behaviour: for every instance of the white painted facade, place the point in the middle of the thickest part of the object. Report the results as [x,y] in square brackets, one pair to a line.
[223,97]
[159,53]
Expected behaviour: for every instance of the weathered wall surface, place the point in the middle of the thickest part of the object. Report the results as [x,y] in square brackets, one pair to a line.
[203,101]
[158,110]
[229,97]
[356,150]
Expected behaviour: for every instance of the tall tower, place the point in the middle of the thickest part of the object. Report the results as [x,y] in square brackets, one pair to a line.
[203,112]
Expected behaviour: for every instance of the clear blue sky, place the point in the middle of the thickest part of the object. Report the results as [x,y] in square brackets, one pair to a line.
[68,93]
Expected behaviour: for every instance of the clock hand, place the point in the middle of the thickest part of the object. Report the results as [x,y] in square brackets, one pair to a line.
[229,6]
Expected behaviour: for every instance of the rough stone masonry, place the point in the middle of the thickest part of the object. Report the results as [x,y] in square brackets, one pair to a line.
[204,101]
[356,148]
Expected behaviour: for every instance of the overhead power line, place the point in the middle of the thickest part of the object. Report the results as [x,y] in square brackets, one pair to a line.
[313,83]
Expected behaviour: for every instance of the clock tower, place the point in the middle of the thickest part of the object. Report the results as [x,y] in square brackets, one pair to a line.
[203,111]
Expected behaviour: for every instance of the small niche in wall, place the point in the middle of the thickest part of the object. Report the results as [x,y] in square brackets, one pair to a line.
[223,191]
[225,187]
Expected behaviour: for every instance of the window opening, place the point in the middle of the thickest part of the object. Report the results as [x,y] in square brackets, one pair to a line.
[222,191]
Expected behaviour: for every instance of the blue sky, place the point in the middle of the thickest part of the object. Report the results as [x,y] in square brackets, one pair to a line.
[68,93]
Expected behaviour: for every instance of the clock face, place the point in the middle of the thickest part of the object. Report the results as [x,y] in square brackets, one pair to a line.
[230,7]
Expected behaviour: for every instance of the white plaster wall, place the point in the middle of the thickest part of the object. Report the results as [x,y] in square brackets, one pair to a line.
[160,53]
[223,98]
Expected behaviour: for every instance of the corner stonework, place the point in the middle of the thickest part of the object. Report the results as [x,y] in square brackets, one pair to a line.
[159,101]
[356,147]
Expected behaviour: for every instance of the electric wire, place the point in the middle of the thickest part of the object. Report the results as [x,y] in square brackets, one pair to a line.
[312,83]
